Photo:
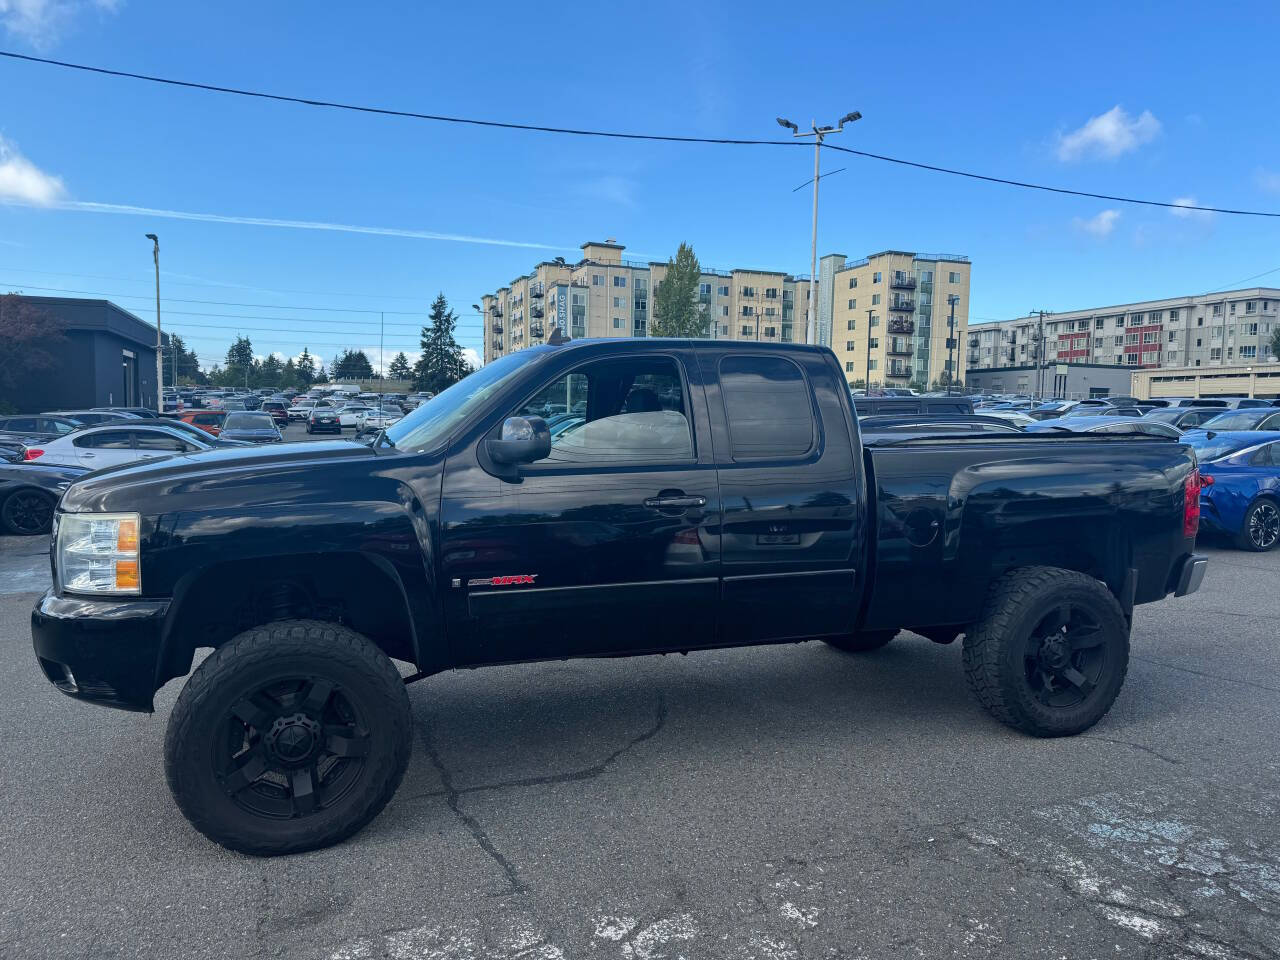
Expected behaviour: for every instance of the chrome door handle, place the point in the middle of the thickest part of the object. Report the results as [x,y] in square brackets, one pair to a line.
[675,503]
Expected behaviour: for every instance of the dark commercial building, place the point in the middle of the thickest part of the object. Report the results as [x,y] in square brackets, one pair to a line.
[1064,381]
[107,359]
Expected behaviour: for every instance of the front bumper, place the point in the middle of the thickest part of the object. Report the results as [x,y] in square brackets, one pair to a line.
[1191,574]
[101,650]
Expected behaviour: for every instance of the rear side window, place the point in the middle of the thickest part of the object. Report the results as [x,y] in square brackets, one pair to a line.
[105,440]
[1268,456]
[766,401]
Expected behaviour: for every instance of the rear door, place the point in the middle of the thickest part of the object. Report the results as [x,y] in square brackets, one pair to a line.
[608,546]
[791,492]
[104,448]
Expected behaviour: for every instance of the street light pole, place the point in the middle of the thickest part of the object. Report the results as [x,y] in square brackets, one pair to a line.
[866,382]
[818,133]
[951,340]
[155,253]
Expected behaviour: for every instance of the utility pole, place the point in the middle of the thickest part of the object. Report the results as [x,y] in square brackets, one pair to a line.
[155,253]
[382,370]
[951,340]
[1039,353]
[867,383]
[818,134]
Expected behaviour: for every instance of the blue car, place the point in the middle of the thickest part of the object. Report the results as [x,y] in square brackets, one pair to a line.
[1240,485]
[1264,418]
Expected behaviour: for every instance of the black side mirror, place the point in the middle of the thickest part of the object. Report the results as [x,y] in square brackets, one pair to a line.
[522,440]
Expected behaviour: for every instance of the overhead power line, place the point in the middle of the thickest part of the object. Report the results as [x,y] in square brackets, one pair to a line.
[615,134]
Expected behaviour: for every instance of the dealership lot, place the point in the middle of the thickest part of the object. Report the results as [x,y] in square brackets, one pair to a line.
[784,801]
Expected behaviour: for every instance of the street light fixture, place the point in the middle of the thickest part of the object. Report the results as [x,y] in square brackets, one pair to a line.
[155,253]
[818,133]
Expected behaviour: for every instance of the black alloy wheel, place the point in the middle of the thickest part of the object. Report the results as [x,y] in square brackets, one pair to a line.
[1065,656]
[291,749]
[1261,528]
[27,512]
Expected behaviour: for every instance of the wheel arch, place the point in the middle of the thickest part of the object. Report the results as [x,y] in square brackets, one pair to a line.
[215,603]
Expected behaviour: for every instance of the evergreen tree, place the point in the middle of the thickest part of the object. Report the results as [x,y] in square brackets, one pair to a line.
[269,371]
[306,368]
[352,365]
[1275,342]
[321,376]
[676,311]
[399,368]
[441,364]
[289,374]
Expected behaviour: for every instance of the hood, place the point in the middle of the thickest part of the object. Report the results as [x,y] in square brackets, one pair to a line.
[143,486]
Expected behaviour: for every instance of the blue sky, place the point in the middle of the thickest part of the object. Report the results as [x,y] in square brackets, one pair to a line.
[1156,101]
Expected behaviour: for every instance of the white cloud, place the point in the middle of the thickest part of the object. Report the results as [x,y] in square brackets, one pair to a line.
[1268,180]
[1184,208]
[1100,225]
[472,356]
[41,23]
[87,206]
[21,181]
[1108,135]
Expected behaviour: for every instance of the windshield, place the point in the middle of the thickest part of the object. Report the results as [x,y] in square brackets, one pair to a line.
[432,421]
[1207,448]
[1166,414]
[1238,420]
[249,421]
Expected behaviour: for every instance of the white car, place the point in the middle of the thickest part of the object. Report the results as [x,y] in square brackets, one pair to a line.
[349,415]
[301,409]
[106,446]
[376,419]
[1016,417]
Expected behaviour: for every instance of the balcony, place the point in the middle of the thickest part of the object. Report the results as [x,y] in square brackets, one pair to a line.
[899,348]
[497,344]
[902,281]
[899,371]
[497,327]
[973,341]
[497,310]
[535,290]
[902,325]
[536,311]
[902,303]
[535,329]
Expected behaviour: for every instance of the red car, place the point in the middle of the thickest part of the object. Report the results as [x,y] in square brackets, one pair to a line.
[278,409]
[210,421]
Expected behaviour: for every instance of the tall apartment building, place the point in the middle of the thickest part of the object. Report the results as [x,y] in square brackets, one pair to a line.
[1202,331]
[604,295]
[891,316]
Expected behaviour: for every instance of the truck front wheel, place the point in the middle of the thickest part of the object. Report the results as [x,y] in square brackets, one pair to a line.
[290,737]
[1050,653]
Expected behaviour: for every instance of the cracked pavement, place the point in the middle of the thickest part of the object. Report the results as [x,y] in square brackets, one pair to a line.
[779,802]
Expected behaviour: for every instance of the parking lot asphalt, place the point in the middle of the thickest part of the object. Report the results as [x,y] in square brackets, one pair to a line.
[775,802]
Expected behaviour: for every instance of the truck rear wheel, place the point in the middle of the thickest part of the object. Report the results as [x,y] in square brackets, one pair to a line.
[862,642]
[1050,653]
[290,737]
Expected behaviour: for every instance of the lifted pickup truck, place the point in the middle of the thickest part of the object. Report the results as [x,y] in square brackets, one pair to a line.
[590,499]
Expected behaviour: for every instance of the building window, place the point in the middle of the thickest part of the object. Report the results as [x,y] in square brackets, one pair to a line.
[724,310]
[619,281]
[926,276]
[875,320]
[1172,336]
[617,303]
[1099,323]
[1119,322]
[848,366]
[1217,309]
[1172,356]
[770,331]
[1119,341]
[1199,342]
[704,289]
[770,311]
[1149,336]
[1253,329]
[747,310]
[597,279]
[1135,319]
[873,364]
[1173,315]
[875,277]
[953,277]
[617,323]
[641,303]
[853,325]
[849,345]
[1199,321]
[1248,353]
[748,291]
[1251,306]
[853,304]
[874,344]
[1217,332]
[1097,341]
[579,299]
[724,328]
[1131,338]
[771,293]
[853,282]
[723,291]
[746,331]
[875,299]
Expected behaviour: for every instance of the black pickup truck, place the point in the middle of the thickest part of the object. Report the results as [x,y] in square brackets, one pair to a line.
[593,499]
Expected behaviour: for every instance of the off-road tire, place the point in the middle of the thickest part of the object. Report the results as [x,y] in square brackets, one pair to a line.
[995,647]
[861,642]
[286,649]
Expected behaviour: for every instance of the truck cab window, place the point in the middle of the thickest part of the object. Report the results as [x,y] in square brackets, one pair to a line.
[616,411]
[766,401]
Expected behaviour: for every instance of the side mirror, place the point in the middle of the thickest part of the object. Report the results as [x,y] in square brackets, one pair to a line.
[522,440]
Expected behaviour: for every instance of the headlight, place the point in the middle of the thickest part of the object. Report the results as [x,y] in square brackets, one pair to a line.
[98,552]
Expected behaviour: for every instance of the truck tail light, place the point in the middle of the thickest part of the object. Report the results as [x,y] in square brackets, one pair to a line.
[1191,504]
[1206,480]
[32,453]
